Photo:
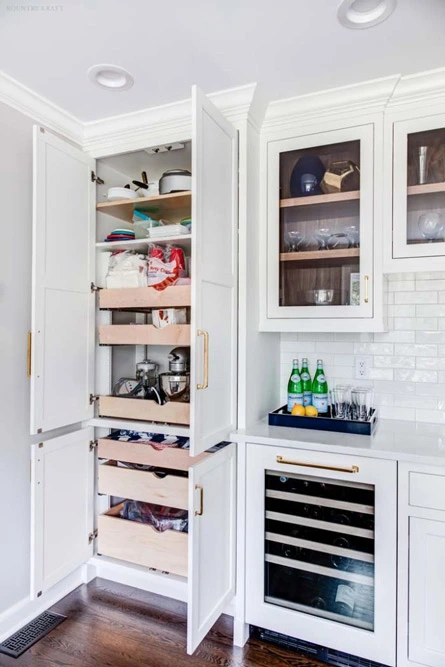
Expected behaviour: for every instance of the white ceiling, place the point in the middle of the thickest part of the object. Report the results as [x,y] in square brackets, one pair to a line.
[291,46]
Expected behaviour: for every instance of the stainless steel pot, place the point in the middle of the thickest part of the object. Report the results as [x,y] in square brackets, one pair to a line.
[175,180]
[176,385]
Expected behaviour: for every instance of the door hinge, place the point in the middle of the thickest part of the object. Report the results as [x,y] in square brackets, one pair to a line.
[93,398]
[93,445]
[96,179]
[93,536]
[94,288]
[29,355]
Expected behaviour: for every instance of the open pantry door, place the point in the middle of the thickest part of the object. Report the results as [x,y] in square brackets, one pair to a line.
[63,304]
[214,275]
[62,507]
[212,542]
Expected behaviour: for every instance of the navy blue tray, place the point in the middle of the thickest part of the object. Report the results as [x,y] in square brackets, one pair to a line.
[282,417]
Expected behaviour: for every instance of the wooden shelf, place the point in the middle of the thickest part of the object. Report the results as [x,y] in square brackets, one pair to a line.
[319,255]
[140,245]
[145,297]
[173,412]
[426,189]
[172,207]
[320,199]
[144,334]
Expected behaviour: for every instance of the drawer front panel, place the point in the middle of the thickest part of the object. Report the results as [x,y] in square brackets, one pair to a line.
[171,491]
[141,544]
[145,297]
[144,334]
[427,490]
[134,408]
[133,452]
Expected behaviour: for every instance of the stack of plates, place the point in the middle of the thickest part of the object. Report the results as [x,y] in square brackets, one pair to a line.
[121,235]
[167,230]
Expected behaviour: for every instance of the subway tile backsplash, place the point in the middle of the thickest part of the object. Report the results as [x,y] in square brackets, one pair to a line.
[407,368]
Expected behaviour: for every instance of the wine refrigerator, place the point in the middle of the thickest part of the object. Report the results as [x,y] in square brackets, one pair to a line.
[321,549]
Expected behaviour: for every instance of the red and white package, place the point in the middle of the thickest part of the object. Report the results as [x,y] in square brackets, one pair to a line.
[165,267]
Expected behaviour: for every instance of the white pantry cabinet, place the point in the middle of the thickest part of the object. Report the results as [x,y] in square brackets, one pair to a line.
[421,605]
[320,230]
[321,548]
[72,372]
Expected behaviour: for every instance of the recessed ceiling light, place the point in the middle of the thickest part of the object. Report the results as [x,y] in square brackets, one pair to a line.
[111,77]
[364,13]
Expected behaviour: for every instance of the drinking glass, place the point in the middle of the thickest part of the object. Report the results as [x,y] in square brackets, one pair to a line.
[362,402]
[294,239]
[341,400]
[322,235]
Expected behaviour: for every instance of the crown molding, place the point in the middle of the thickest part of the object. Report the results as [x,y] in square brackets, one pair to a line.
[422,88]
[367,97]
[25,100]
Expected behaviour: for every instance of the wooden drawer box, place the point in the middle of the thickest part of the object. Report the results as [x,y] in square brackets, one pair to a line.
[144,334]
[145,297]
[134,452]
[427,490]
[171,490]
[141,544]
[135,408]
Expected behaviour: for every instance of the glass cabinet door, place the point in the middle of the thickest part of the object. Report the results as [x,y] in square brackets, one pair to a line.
[419,188]
[320,234]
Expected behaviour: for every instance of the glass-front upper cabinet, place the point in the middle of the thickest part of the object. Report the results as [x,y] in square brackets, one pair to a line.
[419,187]
[320,225]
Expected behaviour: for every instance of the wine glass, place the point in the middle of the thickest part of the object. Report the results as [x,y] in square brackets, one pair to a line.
[294,240]
[322,235]
[431,225]
[353,233]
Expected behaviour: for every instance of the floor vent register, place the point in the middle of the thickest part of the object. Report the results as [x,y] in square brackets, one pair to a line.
[314,651]
[31,633]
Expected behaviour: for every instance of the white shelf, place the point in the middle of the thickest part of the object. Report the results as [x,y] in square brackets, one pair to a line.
[132,425]
[140,245]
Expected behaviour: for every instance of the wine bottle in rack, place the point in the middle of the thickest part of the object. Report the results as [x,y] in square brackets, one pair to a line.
[344,600]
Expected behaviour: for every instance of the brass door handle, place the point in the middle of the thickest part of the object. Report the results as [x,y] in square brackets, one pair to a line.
[205,382]
[321,466]
[29,355]
[200,512]
[366,297]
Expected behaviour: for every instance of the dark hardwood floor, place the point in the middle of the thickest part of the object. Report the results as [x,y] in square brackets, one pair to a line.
[110,625]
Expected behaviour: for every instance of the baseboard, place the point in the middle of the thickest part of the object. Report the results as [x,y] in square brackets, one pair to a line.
[24,611]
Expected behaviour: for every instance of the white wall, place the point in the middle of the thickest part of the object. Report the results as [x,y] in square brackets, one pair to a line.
[15,320]
[407,362]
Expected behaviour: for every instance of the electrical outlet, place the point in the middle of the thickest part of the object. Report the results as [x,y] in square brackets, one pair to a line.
[362,365]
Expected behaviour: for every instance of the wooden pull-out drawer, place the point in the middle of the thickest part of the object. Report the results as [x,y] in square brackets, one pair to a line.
[171,490]
[141,544]
[427,490]
[145,297]
[144,334]
[172,412]
[135,452]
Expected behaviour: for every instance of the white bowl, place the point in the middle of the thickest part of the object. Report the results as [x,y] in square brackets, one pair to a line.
[114,194]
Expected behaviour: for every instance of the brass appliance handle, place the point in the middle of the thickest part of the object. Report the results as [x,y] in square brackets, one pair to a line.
[205,382]
[366,298]
[321,466]
[29,355]
[200,512]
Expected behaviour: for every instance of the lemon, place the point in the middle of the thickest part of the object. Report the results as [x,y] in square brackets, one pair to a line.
[311,411]
[299,410]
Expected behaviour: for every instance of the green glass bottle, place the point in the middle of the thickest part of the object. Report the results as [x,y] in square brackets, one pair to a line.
[294,387]
[307,383]
[320,390]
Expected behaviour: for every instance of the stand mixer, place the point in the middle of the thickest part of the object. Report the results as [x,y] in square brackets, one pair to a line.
[145,385]
[176,382]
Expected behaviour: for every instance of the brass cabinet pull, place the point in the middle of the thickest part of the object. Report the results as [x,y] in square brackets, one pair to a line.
[205,382]
[200,512]
[366,298]
[321,466]
[29,355]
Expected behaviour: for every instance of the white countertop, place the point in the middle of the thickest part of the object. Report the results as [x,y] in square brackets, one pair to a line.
[396,440]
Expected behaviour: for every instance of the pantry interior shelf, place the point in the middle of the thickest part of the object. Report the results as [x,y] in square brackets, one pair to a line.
[426,188]
[171,207]
[319,255]
[140,245]
[320,199]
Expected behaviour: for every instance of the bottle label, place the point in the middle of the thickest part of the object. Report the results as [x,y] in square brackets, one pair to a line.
[295,377]
[320,401]
[346,595]
[294,399]
[321,378]
[307,398]
[305,376]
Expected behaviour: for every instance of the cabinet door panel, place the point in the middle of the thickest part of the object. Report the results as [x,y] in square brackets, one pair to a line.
[214,295]
[212,504]
[61,507]
[426,592]
[63,269]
